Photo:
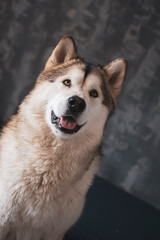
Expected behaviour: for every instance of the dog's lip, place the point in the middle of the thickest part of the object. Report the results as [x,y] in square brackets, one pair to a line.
[58,123]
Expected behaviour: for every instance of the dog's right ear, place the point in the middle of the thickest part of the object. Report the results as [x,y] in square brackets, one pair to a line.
[64,51]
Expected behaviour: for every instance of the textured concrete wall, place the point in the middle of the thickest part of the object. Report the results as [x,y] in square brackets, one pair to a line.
[103,30]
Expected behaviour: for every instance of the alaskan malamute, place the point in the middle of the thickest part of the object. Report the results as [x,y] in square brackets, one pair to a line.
[49,151]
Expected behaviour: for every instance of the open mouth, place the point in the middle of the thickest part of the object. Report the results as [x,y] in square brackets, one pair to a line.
[66,124]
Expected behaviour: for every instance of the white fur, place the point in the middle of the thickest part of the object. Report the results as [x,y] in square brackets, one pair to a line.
[27,165]
[45,173]
[59,94]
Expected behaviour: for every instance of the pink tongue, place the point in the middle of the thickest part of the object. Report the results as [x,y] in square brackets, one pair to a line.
[68,123]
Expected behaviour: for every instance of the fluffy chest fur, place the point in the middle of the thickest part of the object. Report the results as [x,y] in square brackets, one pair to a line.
[37,192]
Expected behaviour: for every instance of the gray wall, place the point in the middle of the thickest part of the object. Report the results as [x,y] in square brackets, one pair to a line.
[103,30]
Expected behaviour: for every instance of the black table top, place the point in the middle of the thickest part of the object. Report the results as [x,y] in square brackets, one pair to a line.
[112,214]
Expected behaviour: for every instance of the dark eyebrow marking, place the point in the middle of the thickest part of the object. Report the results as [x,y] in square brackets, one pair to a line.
[87,71]
[108,99]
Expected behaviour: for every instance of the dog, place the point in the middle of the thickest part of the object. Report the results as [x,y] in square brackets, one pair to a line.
[50,150]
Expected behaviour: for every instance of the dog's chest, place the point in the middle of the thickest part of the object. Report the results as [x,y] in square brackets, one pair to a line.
[51,203]
[49,211]
[61,212]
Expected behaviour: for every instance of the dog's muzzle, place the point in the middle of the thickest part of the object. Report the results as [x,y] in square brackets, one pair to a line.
[67,123]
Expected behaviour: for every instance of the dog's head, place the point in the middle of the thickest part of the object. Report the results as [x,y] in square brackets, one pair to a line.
[79,96]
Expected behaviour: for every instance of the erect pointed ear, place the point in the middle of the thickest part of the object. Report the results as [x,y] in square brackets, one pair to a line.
[64,51]
[116,71]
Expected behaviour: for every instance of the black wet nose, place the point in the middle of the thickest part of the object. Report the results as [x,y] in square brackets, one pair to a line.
[76,104]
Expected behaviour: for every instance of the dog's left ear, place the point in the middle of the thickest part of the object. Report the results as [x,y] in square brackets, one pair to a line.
[64,51]
[116,72]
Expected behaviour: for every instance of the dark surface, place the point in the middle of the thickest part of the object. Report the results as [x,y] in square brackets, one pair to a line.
[103,30]
[111,214]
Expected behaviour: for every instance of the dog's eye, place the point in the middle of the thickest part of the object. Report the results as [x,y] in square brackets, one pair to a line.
[67,82]
[93,93]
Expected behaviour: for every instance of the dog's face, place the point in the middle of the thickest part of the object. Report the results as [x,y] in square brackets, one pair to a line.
[76,101]
[79,96]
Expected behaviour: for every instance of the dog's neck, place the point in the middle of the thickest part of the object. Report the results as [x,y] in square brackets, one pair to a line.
[54,160]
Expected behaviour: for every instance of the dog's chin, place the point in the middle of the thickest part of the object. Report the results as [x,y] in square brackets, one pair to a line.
[66,125]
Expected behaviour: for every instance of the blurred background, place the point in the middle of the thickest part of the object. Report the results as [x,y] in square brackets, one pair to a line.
[103,30]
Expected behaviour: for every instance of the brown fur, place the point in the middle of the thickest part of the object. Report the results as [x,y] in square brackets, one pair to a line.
[43,177]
